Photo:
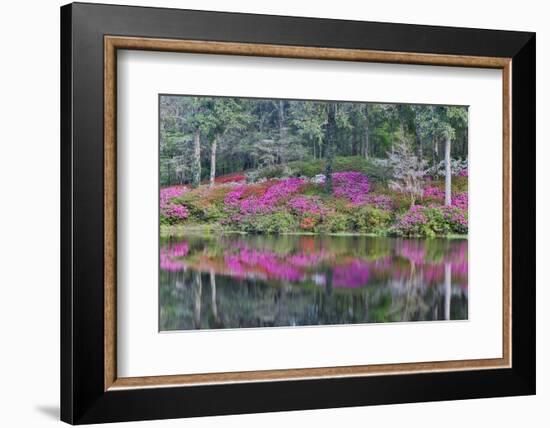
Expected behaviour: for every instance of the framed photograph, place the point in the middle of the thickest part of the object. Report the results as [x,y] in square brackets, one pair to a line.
[266,213]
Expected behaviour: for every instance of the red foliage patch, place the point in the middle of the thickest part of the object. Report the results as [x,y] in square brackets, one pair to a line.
[230,178]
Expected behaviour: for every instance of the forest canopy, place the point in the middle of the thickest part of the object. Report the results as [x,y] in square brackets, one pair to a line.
[205,137]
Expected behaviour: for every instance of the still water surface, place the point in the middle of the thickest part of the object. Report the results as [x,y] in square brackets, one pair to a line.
[242,281]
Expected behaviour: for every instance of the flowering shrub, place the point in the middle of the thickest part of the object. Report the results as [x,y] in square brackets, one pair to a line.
[175,212]
[232,198]
[169,193]
[305,205]
[283,205]
[281,189]
[460,201]
[267,202]
[457,218]
[351,185]
[412,222]
[383,202]
[431,221]
[169,210]
[434,192]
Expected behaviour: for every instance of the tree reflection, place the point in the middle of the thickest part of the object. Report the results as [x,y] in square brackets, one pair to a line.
[260,281]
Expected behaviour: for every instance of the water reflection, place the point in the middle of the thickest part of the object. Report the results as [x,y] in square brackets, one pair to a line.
[233,281]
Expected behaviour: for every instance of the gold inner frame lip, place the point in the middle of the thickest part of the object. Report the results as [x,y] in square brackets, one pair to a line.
[112,43]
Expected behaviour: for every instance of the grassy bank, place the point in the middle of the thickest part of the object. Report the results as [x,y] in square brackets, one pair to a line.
[181,230]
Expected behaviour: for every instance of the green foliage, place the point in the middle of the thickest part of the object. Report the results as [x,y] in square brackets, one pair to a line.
[401,202]
[213,214]
[277,222]
[360,164]
[459,184]
[381,311]
[193,204]
[205,205]
[310,168]
[311,189]
[338,222]
[430,222]
[436,224]
[368,219]
[269,172]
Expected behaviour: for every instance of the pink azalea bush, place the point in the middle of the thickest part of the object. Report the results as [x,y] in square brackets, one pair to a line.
[459,200]
[170,210]
[234,196]
[351,185]
[434,193]
[169,193]
[174,211]
[382,202]
[267,202]
[304,205]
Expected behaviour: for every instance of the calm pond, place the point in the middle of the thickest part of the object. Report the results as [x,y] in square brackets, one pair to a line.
[234,281]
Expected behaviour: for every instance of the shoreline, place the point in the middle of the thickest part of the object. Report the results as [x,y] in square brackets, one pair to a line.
[179,231]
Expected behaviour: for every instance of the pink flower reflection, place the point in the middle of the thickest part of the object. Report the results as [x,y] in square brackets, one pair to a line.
[356,274]
[313,262]
[169,255]
[262,264]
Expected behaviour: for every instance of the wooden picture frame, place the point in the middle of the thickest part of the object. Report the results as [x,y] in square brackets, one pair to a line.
[91,390]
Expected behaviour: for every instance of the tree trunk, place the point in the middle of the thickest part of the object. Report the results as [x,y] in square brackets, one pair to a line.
[447,171]
[197,299]
[282,136]
[435,156]
[367,131]
[447,291]
[213,162]
[329,136]
[213,291]
[419,142]
[196,169]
